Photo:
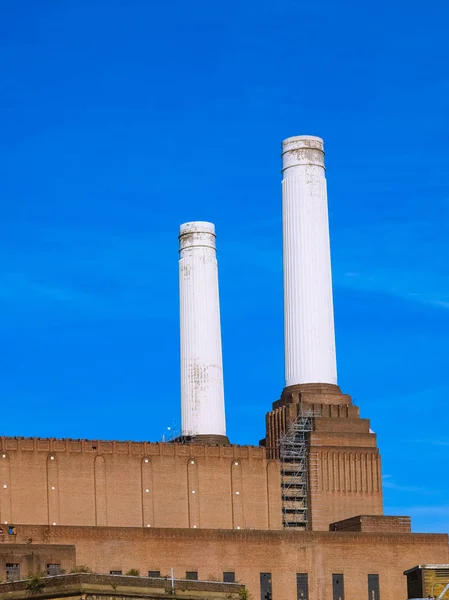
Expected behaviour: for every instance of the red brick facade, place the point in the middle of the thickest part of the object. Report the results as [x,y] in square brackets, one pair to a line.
[249,553]
[127,484]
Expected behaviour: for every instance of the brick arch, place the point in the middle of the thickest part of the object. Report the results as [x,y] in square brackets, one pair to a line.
[146,470]
[193,491]
[100,487]
[53,506]
[238,517]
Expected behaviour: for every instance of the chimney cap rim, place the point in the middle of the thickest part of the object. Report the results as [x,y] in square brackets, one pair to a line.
[297,142]
[197,227]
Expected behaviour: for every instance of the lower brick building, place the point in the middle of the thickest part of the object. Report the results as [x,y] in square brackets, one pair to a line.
[287,565]
[301,524]
[91,586]
[220,512]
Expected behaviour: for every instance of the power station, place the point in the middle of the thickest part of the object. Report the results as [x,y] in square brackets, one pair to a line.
[298,517]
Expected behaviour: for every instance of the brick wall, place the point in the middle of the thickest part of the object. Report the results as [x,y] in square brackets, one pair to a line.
[82,482]
[373,524]
[34,557]
[117,587]
[345,480]
[249,553]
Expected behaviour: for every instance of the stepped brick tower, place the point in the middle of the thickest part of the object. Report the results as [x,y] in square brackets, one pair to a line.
[330,464]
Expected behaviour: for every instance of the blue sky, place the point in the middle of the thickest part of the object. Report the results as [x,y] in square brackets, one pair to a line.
[121,120]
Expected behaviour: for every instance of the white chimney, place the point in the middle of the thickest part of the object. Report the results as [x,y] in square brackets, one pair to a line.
[308,307]
[202,394]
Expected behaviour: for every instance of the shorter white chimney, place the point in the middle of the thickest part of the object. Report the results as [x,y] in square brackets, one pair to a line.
[202,393]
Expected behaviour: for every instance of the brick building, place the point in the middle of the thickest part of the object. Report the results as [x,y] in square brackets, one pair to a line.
[90,586]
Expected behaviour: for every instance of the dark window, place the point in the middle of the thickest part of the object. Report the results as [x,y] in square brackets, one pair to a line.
[302,586]
[338,587]
[154,573]
[12,571]
[229,577]
[115,573]
[265,586]
[12,530]
[415,583]
[373,587]
[192,575]
[53,569]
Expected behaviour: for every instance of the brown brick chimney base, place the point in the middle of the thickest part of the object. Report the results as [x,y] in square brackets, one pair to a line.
[312,393]
[322,399]
[209,439]
[343,463]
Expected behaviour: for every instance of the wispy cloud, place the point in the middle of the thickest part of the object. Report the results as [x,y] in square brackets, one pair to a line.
[387,482]
[404,259]
[19,287]
[135,272]
[420,510]
[429,442]
[442,510]
[425,518]
[403,488]
[91,271]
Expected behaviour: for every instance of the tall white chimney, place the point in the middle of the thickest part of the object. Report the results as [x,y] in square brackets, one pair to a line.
[308,307]
[202,394]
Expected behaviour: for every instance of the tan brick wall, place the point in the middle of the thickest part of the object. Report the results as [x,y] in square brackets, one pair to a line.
[344,469]
[343,482]
[127,484]
[91,586]
[33,557]
[248,553]
[374,524]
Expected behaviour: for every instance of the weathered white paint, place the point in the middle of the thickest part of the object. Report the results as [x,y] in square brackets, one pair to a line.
[202,395]
[308,307]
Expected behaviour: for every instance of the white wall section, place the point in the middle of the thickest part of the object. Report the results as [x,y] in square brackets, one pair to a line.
[308,306]
[202,395]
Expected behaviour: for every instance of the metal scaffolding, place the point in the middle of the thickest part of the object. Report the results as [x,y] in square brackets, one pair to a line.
[294,470]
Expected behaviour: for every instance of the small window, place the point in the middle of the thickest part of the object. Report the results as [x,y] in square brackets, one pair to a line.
[265,586]
[116,572]
[193,575]
[302,586]
[12,571]
[53,569]
[12,531]
[229,577]
[338,587]
[154,573]
[373,587]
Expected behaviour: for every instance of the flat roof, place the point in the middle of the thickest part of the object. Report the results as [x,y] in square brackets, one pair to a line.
[426,567]
[67,585]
